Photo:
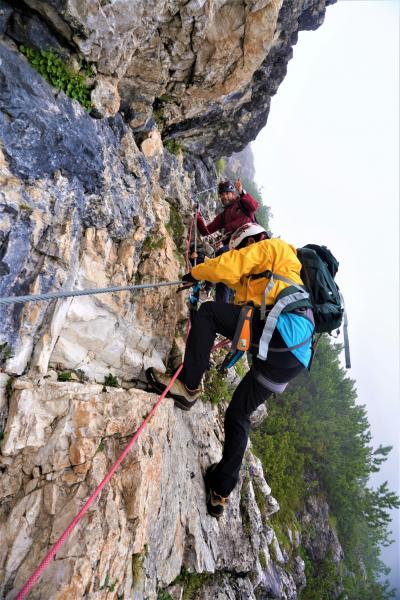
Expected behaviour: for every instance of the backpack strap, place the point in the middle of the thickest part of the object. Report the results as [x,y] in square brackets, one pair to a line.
[289,349]
[272,276]
[272,319]
[283,303]
[267,383]
[345,334]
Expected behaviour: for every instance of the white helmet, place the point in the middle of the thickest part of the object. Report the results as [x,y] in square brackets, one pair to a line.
[247,230]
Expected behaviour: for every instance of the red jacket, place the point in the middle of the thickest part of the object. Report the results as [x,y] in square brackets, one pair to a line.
[241,211]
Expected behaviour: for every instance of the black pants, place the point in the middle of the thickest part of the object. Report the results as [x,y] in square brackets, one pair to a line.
[281,367]
[222,292]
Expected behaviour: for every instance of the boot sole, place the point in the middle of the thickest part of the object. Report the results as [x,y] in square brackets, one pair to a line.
[208,494]
[179,402]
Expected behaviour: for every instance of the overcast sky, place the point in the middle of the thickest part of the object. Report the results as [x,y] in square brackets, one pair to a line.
[328,163]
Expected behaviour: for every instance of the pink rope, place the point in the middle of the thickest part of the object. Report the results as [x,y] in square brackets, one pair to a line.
[54,549]
[220,345]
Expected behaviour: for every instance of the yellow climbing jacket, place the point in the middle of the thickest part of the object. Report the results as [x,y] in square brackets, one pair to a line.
[235,268]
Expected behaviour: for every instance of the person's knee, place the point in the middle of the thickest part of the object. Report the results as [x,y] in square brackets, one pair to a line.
[206,309]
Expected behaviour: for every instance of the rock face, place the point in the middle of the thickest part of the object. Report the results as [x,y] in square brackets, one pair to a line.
[151,520]
[85,223]
[209,69]
[93,200]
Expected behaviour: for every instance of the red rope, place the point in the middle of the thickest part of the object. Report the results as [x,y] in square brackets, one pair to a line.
[189,237]
[54,549]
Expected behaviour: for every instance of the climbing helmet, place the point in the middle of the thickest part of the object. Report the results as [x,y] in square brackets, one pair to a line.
[247,230]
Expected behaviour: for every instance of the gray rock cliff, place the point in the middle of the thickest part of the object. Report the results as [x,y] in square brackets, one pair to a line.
[95,199]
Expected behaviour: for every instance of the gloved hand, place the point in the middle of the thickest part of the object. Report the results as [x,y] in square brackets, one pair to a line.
[196,258]
[188,278]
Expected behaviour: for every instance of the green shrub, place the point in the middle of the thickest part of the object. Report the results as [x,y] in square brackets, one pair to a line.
[137,568]
[260,499]
[322,579]
[5,352]
[26,207]
[107,585]
[176,227]
[240,368]
[216,389]
[60,75]
[64,376]
[110,380]
[153,242]
[9,387]
[244,505]
[158,116]
[101,447]
[191,582]
[220,165]
[262,559]
[164,595]
[280,528]
[174,147]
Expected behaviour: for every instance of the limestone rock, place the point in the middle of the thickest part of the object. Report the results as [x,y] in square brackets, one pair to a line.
[103,225]
[154,507]
[105,97]
[152,145]
[4,379]
[325,541]
[208,69]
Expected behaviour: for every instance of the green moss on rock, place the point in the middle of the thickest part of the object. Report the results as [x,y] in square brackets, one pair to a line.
[59,74]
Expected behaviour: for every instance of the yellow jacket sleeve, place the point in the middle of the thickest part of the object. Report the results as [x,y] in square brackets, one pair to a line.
[232,266]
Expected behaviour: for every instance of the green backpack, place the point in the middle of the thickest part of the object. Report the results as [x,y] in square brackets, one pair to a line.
[319,268]
[319,291]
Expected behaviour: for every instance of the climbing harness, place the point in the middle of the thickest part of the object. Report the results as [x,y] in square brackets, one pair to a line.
[241,340]
[286,301]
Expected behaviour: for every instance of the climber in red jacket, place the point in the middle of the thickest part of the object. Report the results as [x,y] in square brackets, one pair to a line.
[239,209]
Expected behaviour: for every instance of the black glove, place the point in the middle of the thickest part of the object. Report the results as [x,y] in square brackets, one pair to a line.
[197,257]
[188,278]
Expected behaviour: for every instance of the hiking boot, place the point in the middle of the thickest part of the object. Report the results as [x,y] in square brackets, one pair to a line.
[183,396]
[215,502]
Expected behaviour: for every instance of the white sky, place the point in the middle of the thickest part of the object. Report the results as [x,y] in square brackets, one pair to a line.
[327,162]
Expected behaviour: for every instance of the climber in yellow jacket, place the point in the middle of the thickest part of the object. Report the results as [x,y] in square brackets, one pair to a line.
[247,268]
[235,268]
